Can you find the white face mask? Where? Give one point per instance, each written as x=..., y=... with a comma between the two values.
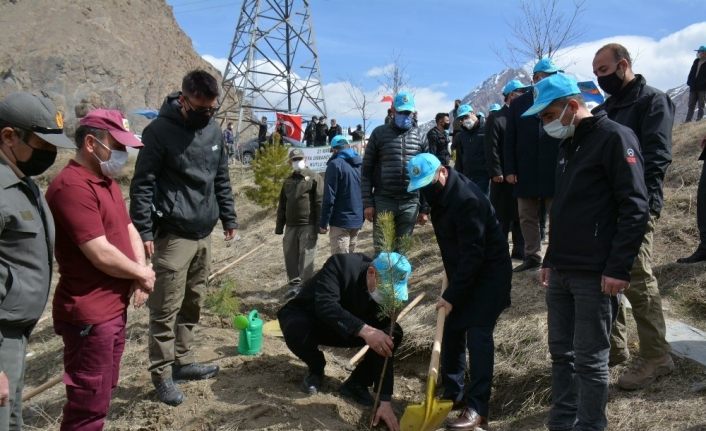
x=298, y=165
x=559, y=131
x=115, y=163
x=468, y=124
x=376, y=295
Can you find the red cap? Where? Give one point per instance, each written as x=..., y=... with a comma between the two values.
x=113, y=121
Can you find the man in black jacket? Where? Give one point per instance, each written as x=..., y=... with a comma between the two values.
x=697, y=85
x=339, y=307
x=333, y=131
x=650, y=114
x=321, y=132
x=477, y=263
x=501, y=192
x=357, y=135
x=530, y=158
x=469, y=144
x=180, y=189
x=599, y=215
x=310, y=132
x=438, y=138
x=384, y=183
x=700, y=254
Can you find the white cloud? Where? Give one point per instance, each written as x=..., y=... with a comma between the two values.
x=379, y=70
x=218, y=63
x=663, y=62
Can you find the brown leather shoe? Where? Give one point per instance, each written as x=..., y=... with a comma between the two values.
x=468, y=420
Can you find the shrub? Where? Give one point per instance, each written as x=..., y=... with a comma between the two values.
x=270, y=168
x=222, y=302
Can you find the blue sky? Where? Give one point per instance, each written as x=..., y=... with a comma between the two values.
x=447, y=44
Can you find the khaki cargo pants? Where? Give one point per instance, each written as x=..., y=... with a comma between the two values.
x=343, y=240
x=646, y=303
x=299, y=247
x=182, y=267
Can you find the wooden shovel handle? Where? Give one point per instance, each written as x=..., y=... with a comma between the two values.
x=358, y=356
x=436, y=348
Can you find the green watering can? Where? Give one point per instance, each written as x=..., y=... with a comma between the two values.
x=250, y=327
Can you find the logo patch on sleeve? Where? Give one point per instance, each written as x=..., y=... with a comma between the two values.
x=631, y=159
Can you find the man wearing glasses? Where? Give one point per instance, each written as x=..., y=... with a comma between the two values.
x=181, y=188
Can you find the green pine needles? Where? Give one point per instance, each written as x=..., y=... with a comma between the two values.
x=270, y=168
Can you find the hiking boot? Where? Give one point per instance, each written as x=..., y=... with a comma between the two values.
x=618, y=357
x=357, y=392
x=698, y=256
x=642, y=372
x=194, y=371
x=312, y=383
x=168, y=392
x=527, y=265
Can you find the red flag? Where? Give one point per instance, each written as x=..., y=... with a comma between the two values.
x=293, y=126
x=386, y=98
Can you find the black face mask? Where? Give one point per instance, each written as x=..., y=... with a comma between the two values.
x=611, y=84
x=196, y=119
x=432, y=193
x=38, y=162
x=446, y=126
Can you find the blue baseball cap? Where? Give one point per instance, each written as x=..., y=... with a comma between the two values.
x=513, y=85
x=464, y=110
x=494, y=107
x=339, y=141
x=421, y=170
x=404, y=101
x=394, y=268
x=546, y=65
x=549, y=89
x=702, y=48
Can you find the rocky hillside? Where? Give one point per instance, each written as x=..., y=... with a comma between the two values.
x=125, y=54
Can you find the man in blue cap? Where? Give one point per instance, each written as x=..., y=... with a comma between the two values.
x=342, y=206
x=477, y=263
x=697, y=85
x=469, y=144
x=339, y=307
x=384, y=186
x=599, y=215
x=530, y=158
x=501, y=192
x=649, y=112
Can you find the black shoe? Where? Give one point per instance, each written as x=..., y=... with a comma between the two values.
x=357, y=392
x=312, y=383
x=517, y=255
x=194, y=371
x=168, y=392
x=527, y=265
x=698, y=256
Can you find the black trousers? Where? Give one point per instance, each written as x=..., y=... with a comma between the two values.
x=505, y=205
x=701, y=208
x=304, y=333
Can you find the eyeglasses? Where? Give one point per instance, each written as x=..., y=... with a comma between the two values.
x=210, y=110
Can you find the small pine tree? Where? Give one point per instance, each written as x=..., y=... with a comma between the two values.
x=270, y=168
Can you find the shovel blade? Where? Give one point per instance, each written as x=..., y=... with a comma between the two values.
x=423, y=417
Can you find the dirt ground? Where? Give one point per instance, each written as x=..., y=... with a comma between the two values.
x=261, y=392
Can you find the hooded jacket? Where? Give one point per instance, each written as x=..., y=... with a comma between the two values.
x=600, y=211
x=342, y=204
x=650, y=114
x=384, y=171
x=181, y=183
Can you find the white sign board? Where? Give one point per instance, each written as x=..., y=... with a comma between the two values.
x=316, y=157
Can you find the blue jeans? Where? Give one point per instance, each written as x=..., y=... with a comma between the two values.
x=481, y=351
x=579, y=316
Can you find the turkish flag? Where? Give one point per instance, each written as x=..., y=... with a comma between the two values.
x=292, y=125
x=386, y=98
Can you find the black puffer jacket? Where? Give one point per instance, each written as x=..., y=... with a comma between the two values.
x=650, y=114
x=384, y=170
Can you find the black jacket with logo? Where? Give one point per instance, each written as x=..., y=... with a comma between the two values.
x=181, y=178
x=600, y=210
x=697, y=82
x=650, y=114
x=470, y=150
x=384, y=171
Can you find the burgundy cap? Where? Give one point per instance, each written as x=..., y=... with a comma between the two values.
x=113, y=121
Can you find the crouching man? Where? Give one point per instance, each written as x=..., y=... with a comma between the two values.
x=339, y=307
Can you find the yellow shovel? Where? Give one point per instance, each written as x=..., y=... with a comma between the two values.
x=429, y=415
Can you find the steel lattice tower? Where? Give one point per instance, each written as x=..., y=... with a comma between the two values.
x=273, y=65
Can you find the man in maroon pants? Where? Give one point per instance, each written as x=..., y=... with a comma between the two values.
x=101, y=263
